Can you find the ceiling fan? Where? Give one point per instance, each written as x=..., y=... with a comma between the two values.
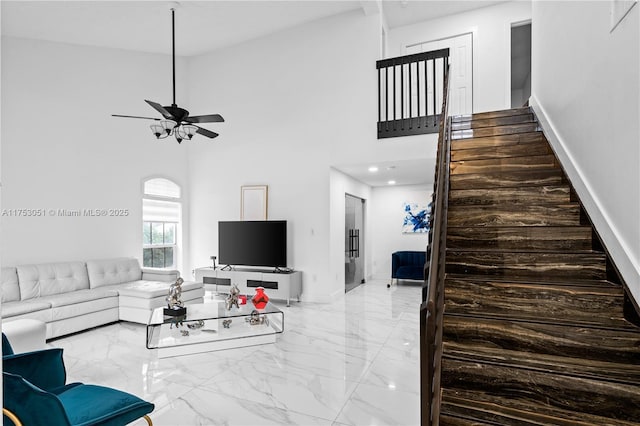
x=177, y=121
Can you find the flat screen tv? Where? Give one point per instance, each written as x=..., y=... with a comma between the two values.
x=253, y=243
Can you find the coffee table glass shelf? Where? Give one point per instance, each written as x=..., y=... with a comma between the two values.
x=209, y=327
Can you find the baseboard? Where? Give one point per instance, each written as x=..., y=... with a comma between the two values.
x=619, y=252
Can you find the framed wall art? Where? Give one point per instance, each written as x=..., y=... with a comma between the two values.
x=254, y=202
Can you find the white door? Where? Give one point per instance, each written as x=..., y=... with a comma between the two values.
x=461, y=67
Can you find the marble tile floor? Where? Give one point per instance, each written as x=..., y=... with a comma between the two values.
x=351, y=362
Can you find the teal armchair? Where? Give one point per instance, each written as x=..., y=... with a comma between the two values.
x=35, y=393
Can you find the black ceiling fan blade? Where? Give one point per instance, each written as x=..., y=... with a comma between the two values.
x=207, y=133
x=160, y=109
x=211, y=118
x=134, y=116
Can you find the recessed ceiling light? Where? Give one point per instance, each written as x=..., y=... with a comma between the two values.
x=373, y=169
x=392, y=182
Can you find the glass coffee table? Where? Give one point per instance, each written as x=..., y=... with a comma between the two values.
x=210, y=327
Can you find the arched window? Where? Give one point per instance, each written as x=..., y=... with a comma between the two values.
x=161, y=223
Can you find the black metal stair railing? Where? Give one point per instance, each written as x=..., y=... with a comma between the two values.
x=432, y=307
x=410, y=92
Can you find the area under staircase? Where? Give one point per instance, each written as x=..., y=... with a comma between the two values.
x=533, y=328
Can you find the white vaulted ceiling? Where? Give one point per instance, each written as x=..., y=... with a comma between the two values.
x=201, y=26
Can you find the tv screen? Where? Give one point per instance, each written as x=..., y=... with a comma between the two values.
x=253, y=243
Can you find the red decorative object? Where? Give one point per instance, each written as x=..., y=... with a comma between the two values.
x=242, y=299
x=260, y=299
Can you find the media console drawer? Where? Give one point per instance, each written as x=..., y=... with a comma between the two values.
x=273, y=285
x=216, y=281
x=278, y=285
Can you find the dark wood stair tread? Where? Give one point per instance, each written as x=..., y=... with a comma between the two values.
x=580, y=394
x=501, y=179
x=543, y=302
x=520, y=237
x=460, y=407
x=567, y=214
x=518, y=280
x=544, y=194
x=582, y=367
x=515, y=164
x=477, y=123
x=508, y=151
x=494, y=131
x=619, y=343
x=568, y=265
x=497, y=141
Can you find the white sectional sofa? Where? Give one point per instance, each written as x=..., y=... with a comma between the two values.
x=74, y=296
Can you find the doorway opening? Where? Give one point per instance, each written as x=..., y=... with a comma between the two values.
x=354, y=242
x=520, y=64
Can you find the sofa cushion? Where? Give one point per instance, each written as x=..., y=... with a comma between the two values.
x=113, y=271
x=10, y=287
x=151, y=289
x=62, y=310
x=47, y=279
x=35, y=309
x=79, y=296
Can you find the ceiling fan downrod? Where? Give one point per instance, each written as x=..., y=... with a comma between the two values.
x=173, y=52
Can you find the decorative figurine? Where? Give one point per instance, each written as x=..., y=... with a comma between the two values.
x=175, y=306
x=232, y=299
x=226, y=323
x=257, y=319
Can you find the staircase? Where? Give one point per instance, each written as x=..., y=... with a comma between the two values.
x=533, y=329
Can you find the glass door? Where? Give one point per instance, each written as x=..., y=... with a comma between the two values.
x=354, y=242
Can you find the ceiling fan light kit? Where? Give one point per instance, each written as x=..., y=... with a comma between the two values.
x=177, y=121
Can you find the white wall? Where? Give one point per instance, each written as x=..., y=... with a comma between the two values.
x=62, y=150
x=295, y=103
x=586, y=92
x=491, y=29
x=386, y=214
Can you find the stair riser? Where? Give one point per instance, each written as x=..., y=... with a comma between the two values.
x=539, y=265
x=479, y=408
x=531, y=195
x=520, y=238
x=494, y=131
x=569, y=393
x=565, y=215
x=491, y=114
x=536, y=301
x=497, y=141
x=492, y=122
x=516, y=164
x=507, y=180
x=585, y=343
x=520, y=150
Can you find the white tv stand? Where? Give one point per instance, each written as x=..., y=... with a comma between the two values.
x=278, y=285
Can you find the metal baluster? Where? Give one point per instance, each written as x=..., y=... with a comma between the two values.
x=433, y=78
x=386, y=98
x=394, y=97
x=410, y=100
x=402, y=95
x=418, y=91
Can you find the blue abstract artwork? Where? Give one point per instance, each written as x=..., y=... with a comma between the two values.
x=416, y=218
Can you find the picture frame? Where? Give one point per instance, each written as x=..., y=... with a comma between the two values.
x=254, y=202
